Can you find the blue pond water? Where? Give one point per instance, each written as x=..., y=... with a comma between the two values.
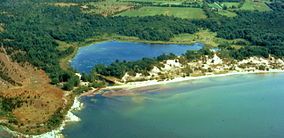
x=108, y=52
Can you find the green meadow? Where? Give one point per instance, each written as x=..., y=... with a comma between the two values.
x=227, y=13
x=188, y=13
x=162, y=1
x=230, y=4
x=255, y=5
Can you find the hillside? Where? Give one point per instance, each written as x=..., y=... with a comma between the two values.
x=29, y=103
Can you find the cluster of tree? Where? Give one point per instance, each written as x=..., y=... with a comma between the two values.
x=71, y=83
x=149, y=28
x=55, y=119
x=260, y=51
x=81, y=89
x=249, y=51
x=277, y=5
x=118, y=69
x=209, y=12
x=8, y=104
x=191, y=55
x=93, y=84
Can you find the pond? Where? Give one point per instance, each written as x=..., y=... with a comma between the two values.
x=110, y=51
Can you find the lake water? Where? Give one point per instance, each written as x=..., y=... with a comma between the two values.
x=240, y=106
x=109, y=51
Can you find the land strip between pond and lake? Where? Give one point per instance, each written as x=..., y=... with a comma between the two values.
x=174, y=72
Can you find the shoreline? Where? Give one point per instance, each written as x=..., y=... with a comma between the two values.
x=56, y=133
x=115, y=91
x=140, y=84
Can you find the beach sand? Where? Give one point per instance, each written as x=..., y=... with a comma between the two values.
x=127, y=89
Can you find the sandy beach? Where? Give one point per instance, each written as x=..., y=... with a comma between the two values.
x=119, y=90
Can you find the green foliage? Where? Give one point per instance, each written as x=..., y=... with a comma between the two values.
x=263, y=29
x=55, y=119
x=277, y=50
x=196, y=55
x=81, y=89
x=8, y=104
x=87, y=77
x=69, y=85
x=97, y=84
x=249, y=51
x=277, y=5
x=118, y=69
x=166, y=57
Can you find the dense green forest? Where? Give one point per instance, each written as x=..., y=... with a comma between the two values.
x=32, y=27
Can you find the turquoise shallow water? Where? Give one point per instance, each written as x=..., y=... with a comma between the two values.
x=240, y=106
x=109, y=51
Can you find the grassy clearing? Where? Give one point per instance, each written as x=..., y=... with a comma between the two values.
x=206, y=37
x=1, y=28
x=172, y=2
x=252, y=5
x=215, y=5
x=106, y=8
x=189, y=13
x=64, y=4
x=227, y=13
x=230, y=4
x=64, y=62
x=220, y=5
x=203, y=36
